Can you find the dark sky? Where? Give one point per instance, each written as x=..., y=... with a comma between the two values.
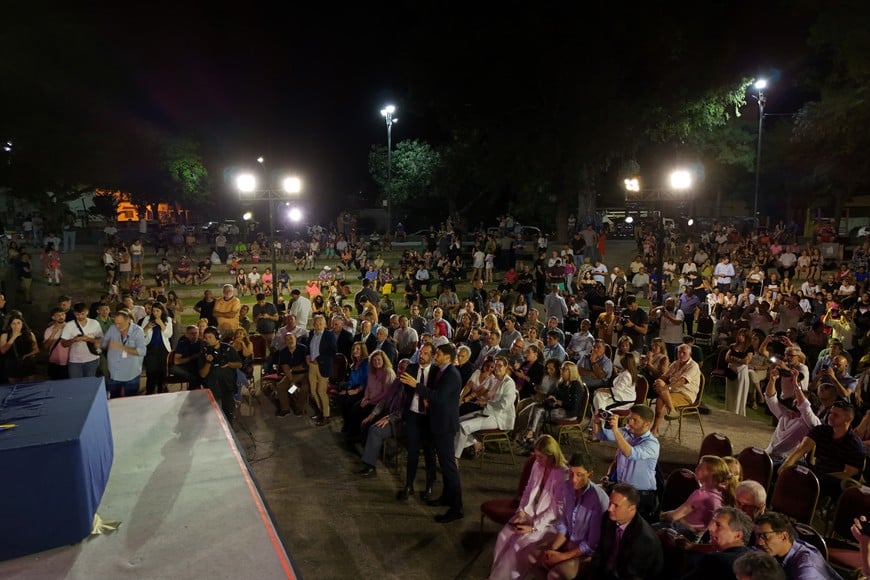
x=303, y=83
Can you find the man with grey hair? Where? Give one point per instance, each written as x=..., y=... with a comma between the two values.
x=750, y=497
x=754, y=565
x=730, y=530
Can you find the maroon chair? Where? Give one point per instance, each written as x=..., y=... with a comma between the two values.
x=716, y=444
x=757, y=465
x=502, y=509
x=796, y=493
x=843, y=552
x=678, y=487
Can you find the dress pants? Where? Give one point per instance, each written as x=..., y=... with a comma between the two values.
x=451, y=496
x=417, y=432
x=319, y=386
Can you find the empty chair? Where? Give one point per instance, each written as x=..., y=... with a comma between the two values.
x=500, y=510
x=716, y=444
x=717, y=373
x=796, y=493
x=757, y=465
x=678, y=487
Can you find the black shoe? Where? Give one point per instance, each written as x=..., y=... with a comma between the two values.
x=436, y=502
x=366, y=471
x=450, y=515
x=426, y=495
x=404, y=494
x=284, y=413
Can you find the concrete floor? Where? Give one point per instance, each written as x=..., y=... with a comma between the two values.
x=337, y=524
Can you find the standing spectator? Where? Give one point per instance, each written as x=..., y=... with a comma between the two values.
x=442, y=393
x=69, y=232
x=125, y=343
x=265, y=318
x=226, y=310
x=18, y=348
x=158, y=331
x=57, y=354
x=322, y=348
x=217, y=368
x=637, y=454
x=83, y=336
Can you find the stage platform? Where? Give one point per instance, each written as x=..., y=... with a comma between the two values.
x=187, y=503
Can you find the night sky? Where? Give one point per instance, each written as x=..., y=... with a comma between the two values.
x=303, y=85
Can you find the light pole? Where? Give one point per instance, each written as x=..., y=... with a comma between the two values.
x=387, y=113
x=760, y=85
x=247, y=186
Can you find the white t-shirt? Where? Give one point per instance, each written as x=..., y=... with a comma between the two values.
x=78, y=352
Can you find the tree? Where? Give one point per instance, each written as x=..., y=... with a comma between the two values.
x=413, y=166
x=830, y=132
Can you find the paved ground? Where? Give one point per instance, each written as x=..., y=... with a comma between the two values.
x=337, y=524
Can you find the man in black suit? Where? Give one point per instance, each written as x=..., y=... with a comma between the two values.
x=629, y=548
x=343, y=337
x=417, y=425
x=322, y=348
x=729, y=534
x=442, y=392
x=383, y=342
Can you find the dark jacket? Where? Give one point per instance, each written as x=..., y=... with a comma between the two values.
x=327, y=351
x=443, y=396
x=640, y=551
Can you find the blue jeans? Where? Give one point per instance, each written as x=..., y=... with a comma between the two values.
x=79, y=370
x=122, y=388
x=69, y=240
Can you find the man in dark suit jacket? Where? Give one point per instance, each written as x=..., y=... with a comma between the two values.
x=730, y=530
x=417, y=431
x=343, y=337
x=322, y=348
x=629, y=548
x=383, y=342
x=442, y=393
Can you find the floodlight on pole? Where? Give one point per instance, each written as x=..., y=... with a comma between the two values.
x=759, y=85
x=387, y=113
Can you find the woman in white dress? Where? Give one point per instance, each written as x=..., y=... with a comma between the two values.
x=536, y=517
x=737, y=382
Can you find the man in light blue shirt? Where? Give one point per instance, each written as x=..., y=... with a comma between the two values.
x=637, y=453
x=124, y=344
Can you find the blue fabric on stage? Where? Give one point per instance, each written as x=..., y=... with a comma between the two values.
x=54, y=465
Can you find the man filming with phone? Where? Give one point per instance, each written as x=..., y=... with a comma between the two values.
x=637, y=453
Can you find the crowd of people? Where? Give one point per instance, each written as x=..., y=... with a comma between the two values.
x=563, y=337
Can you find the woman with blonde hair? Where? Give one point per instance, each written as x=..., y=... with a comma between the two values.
x=718, y=487
x=655, y=363
x=538, y=514
x=564, y=403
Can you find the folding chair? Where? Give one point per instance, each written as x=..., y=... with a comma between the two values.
x=678, y=487
x=757, y=465
x=716, y=444
x=796, y=493
x=843, y=552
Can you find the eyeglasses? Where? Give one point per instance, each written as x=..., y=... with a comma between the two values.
x=764, y=535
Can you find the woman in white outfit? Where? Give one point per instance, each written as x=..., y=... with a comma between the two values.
x=536, y=517
x=737, y=383
x=499, y=412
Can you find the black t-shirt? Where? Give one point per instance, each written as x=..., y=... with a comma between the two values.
x=638, y=317
x=296, y=359
x=206, y=310
x=832, y=455
x=265, y=325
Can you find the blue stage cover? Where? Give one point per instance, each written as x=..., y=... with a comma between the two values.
x=55, y=463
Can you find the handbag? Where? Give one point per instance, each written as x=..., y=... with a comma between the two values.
x=730, y=374
x=93, y=349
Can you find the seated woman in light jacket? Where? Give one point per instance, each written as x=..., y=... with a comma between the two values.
x=539, y=512
x=499, y=412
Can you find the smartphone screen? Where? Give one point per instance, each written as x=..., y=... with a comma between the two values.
x=292, y=390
